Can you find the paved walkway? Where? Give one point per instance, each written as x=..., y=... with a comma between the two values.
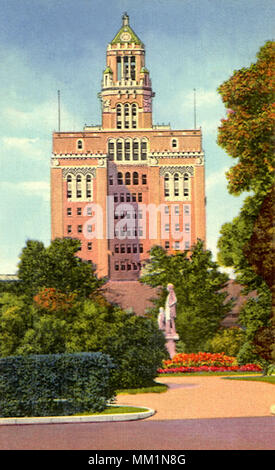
x=206, y=397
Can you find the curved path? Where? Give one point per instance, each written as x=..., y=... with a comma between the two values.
x=197, y=413
x=206, y=397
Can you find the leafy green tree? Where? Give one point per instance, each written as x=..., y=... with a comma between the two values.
x=56, y=266
x=227, y=340
x=197, y=283
x=14, y=321
x=247, y=243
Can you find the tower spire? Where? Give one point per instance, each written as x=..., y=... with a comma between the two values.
x=125, y=19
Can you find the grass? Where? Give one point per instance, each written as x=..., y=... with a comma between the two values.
x=208, y=374
x=114, y=410
x=154, y=388
x=263, y=378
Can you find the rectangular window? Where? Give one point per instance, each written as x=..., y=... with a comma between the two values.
x=177, y=245
x=185, y=192
x=122, y=266
x=111, y=180
x=129, y=249
x=69, y=211
x=79, y=211
x=69, y=229
x=89, y=228
x=141, y=248
x=176, y=210
x=69, y=193
x=186, y=209
x=89, y=246
x=144, y=179
x=166, y=210
x=128, y=197
x=78, y=193
x=89, y=211
x=166, y=192
x=122, y=248
x=118, y=68
x=167, y=227
x=116, y=266
x=119, y=149
x=177, y=227
x=121, y=197
x=115, y=197
x=116, y=248
x=187, y=245
x=129, y=267
x=187, y=227
x=134, y=197
x=139, y=197
x=167, y=245
x=79, y=228
x=134, y=248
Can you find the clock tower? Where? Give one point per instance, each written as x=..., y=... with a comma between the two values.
x=126, y=93
x=127, y=184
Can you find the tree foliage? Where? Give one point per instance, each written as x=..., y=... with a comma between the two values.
x=57, y=267
x=248, y=132
x=247, y=243
x=198, y=284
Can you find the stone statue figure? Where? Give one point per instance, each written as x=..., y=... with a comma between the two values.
x=166, y=320
x=167, y=315
x=170, y=310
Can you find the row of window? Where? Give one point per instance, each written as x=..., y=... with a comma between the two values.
x=79, y=186
x=127, y=197
x=126, y=116
x=128, y=145
x=127, y=266
x=135, y=248
x=128, y=179
x=176, y=185
x=128, y=149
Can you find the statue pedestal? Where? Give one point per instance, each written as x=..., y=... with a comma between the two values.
x=171, y=344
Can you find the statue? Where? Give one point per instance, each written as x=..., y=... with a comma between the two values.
x=166, y=320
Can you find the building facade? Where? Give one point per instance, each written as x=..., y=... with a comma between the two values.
x=128, y=184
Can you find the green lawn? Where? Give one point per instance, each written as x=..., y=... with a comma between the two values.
x=114, y=410
x=266, y=378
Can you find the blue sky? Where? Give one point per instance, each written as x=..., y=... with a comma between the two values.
x=46, y=45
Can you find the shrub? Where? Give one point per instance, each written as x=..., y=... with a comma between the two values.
x=45, y=385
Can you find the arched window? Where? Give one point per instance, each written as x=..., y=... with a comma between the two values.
x=127, y=149
x=111, y=149
x=78, y=186
x=88, y=186
x=186, y=185
x=119, y=178
x=119, y=116
x=135, y=177
x=119, y=150
x=127, y=178
x=135, y=149
x=126, y=116
x=166, y=184
x=176, y=184
x=134, y=116
x=79, y=144
x=144, y=149
x=69, y=186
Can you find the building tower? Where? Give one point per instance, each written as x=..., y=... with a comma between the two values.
x=127, y=185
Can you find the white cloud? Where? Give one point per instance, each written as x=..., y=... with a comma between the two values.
x=216, y=178
x=29, y=188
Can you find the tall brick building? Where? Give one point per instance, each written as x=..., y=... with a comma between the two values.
x=127, y=185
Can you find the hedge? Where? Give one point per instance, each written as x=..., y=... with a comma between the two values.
x=55, y=384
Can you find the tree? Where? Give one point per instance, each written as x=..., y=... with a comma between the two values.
x=197, y=284
x=248, y=133
x=56, y=266
x=247, y=243
x=227, y=340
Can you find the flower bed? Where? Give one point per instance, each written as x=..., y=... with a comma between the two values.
x=246, y=368
x=205, y=362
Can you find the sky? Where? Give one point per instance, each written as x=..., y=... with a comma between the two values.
x=50, y=45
